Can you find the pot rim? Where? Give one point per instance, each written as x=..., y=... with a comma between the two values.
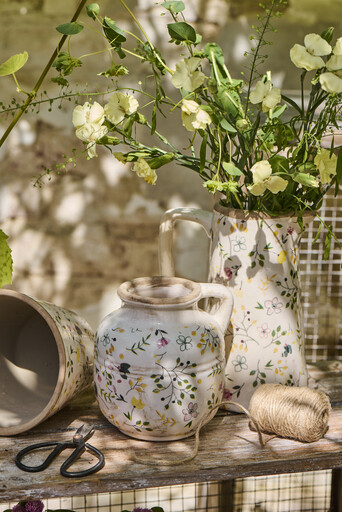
x=129, y=291
x=255, y=215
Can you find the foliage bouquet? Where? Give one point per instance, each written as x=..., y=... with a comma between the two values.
x=259, y=148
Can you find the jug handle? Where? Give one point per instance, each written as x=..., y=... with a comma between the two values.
x=166, y=260
x=218, y=291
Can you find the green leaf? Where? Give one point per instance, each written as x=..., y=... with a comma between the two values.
x=6, y=262
x=181, y=31
x=227, y=126
x=231, y=169
x=93, y=10
x=229, y=99
x=70, y=29
x=305, y=179
x=203, y=152
x=328, y=34
x=13, y=64
x=327, y=243
x=114, y=35
x=175, y=7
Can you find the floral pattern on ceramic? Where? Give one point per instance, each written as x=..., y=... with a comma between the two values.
x=159, y=368
x=257, y=258
x=78, y=345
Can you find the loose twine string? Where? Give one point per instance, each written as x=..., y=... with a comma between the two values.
x=297, y=413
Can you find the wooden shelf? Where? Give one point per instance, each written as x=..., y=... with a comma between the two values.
x=228, y=449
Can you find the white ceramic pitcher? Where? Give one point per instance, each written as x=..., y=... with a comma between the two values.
x=159, y=359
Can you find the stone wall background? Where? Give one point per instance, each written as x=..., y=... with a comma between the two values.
x=81, y=234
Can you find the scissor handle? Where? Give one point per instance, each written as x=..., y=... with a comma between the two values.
x=75, y=455
x=59, y=447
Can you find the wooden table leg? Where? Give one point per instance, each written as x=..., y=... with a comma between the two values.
x=336, y=491
x=226, y=496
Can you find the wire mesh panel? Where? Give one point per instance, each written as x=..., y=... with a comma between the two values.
x=322, y=286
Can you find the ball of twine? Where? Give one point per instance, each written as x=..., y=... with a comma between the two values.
x=298, y=413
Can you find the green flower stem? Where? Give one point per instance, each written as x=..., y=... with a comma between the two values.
x=36, y=88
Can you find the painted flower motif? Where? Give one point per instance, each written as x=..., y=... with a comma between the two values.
x=281, y=258
x=265, y=94
x=88, y=120
x=187, y=75
x=184, y=342
x=124, y=369
x=190, y=412
x=240, y=363
x=228, y=273
x=264, y=330
x=310, y=55
x=290, y=230
x=143, y=170
x=273, y=306
x=137, y=403
x=227, y=394
x=263, y=179
x=120, y=105
x=162, y=342
x=193, y=116
x=239, y=244
x=326, y=164
x=105, y=339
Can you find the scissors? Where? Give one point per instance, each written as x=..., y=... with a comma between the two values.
x=78, y=442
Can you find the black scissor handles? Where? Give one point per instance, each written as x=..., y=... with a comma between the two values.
x=80, y=446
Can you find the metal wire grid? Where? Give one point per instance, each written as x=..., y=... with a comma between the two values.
x=297, y=492
x=199, y=497
x=322, y=286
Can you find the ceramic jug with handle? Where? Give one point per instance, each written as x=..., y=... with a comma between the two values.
x=159, y=359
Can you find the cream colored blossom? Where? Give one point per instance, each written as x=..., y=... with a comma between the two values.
x=120, y=105
x=193, y=116
x=265, y=94
x=337, y=50
x=88, y=120
x=143, y=170
x=187, y=75
x=263, y=179
x=326, y=165
x=309, y=56
x=331, y=82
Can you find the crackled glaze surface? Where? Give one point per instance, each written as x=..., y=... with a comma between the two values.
x=258, y=260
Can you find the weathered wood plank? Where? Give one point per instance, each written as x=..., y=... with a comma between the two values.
x=228, y=449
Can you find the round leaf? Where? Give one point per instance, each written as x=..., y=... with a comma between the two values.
x=70, y=29
x=182, y=31
x=93, y=10
x=175, y=7
x=13, y=64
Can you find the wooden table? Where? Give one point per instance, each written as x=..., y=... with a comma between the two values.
x=228, y=450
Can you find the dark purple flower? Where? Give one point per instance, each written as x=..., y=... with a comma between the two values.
x=139, y=509
x=34, y=506
x=18, y=508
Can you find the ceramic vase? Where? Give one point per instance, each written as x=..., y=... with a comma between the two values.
x=46, y=359
x=257, y=257
x=159, y=360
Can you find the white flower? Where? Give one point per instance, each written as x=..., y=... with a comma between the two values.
x=193, y=116
x=309, y=56
x=120, y=105
x=326, y=165
x=265, y=94
x=88, y=120
x=263, y=180
x=338, y=47
x=331, y=82
x=186, y=75
x=143, y=170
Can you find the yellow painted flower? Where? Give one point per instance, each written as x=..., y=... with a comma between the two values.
x=309, y=56
x=326, y=164
x=281, y=257
x=265, y=94
x=137, y=403
x=187, y=75
x=263, y=179
x=143, y=170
